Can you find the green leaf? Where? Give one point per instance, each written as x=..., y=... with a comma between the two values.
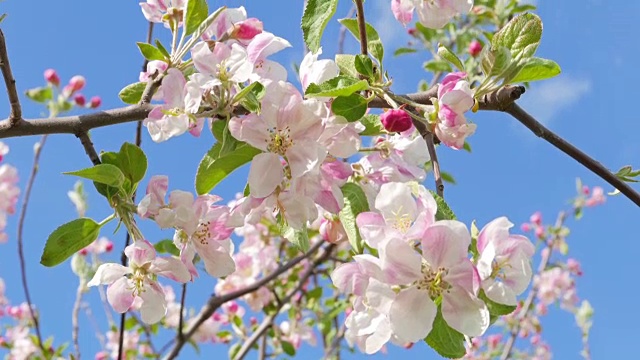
x=364, y=65
x=355, y=202
x=404, y=50
x=69, y=239
x=372, y=125
x=162, y=49
x=444, y=211
x=131, y=160
x=467, y=147
x=131, y=94
x=450, y=56
x=166, y=246
x=41, y=94
x=150, y=52
x=200, y=29
x=196, y=13
x=103, y=173
x=338, y=86
x=288, y=348
x=535, y=69
x=251, y=99
x=299, y=238
x=437, y=66
x=521, y=35
x=352, y=107
x=374, y=45
x=347, y=65
x=214, y=168
x=498, y=60
x=496, y=309
x=446, y=177
x=445, y=340
x=316, y=16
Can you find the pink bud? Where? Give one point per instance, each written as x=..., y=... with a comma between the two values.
x=539, y=232
x=536, y=218
x=494, y=340
x=51, y=76
x=475, y=47
x=77, y=82
x=585, y=190
x=95, y=102
x=108, y=247
x=574, y=266
x=233, y=307
x=525, y=227
x=79, y=100
x=412, y=31
x=253, y=320
x=396, y=120
x=247, y=29
x=541, y=309
x=84, y=252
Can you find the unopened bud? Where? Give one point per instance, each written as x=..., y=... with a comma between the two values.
x=95, y=102
x=79, y=100
x=51, y=76
x=77, y=83
x=396, y=120
x=475, y=47
x=247, y=29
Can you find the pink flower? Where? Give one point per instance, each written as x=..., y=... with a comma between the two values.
x=454, y=99
x=126, y=283
x=316, y=71
x=155, y=10
x=51, y=76
x=261, y=46
x=432, y=13
x=288, y=127
x=396, y=120
x=504, y=264
x=247, y=29
x=597, y=197
x=443, y=270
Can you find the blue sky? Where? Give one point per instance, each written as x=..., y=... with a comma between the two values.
x=510, y=172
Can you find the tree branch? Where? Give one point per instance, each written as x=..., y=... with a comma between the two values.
x=23, y=215
x=216, y=301
x=88, y=148
x=14, y=100
x=362, y=26
x=541, y=131
x=266, y=323
x=429, y=138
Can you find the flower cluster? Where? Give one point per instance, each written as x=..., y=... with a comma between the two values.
x=432, y=14
x=9, y=191
x=424, y=262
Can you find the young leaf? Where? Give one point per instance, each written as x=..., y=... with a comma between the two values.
x=103, y=173
x=196, y=13
x=374, y=45
x=41, y=94
x=288, y=348
x=364, y=65
x=299, y=238
x=355, y=202
x=347, y=65
x=446, y=341
x=535, y=69
x=444, y=211
x=352, y=107
x=338, y=86
x=214, y=168
x=521, y=35
x=131, y=94
x=162, y=49
x=450, y=56
x=372, y=125
x=69, y=239
x=132, y=162
x=316, y=16
x=437, y=66
x=150, y=52
x=402, y=51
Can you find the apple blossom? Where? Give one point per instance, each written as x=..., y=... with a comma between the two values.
x=138, y=280
x=157, y=11
x=260, y=47
x=432, y=13
x=454, y=98
x=504, y=264
x=232, y=23
x=316, y=71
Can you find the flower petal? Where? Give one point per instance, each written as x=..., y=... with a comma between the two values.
x=412, y=314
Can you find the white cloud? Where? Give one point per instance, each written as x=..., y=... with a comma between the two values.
x=547, y=99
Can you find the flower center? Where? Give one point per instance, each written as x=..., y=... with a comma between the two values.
x=432, y=281
x=203, y=234
x=138, y=277
x=498, y=269
x=401, y=221
x=279, y=141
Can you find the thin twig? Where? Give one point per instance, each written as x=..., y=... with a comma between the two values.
x=262, y=349
x=149, y=38
x=362, y=26
x=267, y=322
x=541, y=131
x=180, y=335
x=434, y=163
x=21, y=220
x=123, y=318
x=88, y=148
x=74, y=318
x=343, y=31
x=216, y=301
x=546, y=255
x=14, y=100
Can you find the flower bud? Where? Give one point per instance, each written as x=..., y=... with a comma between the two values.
x=95, y=102
x=412, y=31
x=108, y=247
x=536, y=218
x=79, y=100
x=77, y=83
x=396, y=120
x=475, y=47
x=51, y=76
x=247, y=29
